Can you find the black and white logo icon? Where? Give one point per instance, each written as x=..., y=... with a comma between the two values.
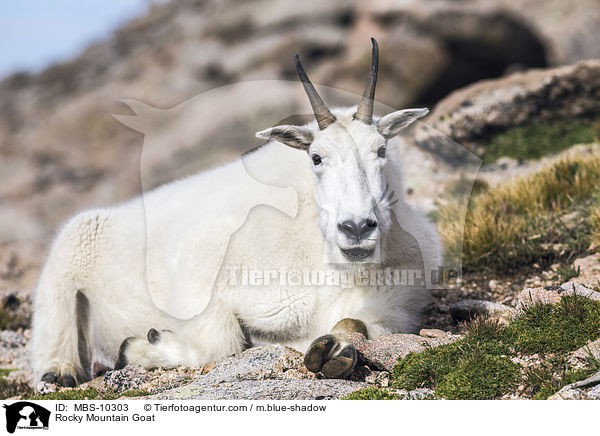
x=26, y=415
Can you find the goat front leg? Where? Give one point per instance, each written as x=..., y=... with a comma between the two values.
x=210, y=336
x=158, y=349
x=332, y=355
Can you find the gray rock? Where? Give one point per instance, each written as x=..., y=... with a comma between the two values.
x=472, y=114
x=575, y=288
x=433, y=333
x=468, y=309
x=263, y=390
x=579, y=390
x=419, y=394
x=593, y=349
x=262, y=373
x=588, y=382
x=553, y=294
x=568, y=393
x=594, y=393
x=43, y=388
x=260, y=363
x=130, y=377
x=383, y=351
x=13, y=350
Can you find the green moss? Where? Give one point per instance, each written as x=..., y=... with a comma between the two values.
x=466, y=369
x=69, y=394
x=533, y=141
x=479, y=365
x=135, y=393
x=565, y=326
x=5, y=371
x=371, y=393
x=485, y=377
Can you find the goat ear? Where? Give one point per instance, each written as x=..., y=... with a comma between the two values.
x=392, y=124
x=294, y=136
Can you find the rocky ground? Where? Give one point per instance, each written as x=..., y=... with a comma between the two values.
x=61, y=150
x=277, y=372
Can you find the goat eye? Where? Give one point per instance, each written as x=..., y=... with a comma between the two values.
x=316, y=159
x=381, y=152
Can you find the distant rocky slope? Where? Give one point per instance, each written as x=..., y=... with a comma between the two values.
x=61, y=150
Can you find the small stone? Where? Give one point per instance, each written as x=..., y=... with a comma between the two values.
x=433, y=333
x=589, y=269
x=43, y=388
x=419, y=394
x=574, y=288
x=121, y=380
x=468, y=309
x=568, y=393
x=593, y=380
x=493, y=284
x=531, y=296
x=592, y=348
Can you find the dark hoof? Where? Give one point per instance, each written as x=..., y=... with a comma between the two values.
x=68, y=381
x=122, y=359
x=318, y=352
x=342, y=364
x=50, y=377
x=99, y=369
x=153, y=336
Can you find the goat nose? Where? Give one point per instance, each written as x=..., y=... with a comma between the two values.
x=357, y=231
x=366, y=227
x=350, y=229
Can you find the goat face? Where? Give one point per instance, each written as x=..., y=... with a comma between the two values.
x=348, y=160
x=348, y=154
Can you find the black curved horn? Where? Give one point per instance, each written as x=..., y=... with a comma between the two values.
x=364, y=112
x=322, y=114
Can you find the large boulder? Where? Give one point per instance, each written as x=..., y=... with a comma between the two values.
x=262, y=373
x=472, y=114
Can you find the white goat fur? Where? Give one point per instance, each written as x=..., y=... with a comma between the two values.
x=93, y=291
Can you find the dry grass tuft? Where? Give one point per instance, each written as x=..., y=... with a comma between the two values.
x=523, y=221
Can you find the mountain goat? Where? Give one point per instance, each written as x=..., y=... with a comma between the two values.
x=92, y=307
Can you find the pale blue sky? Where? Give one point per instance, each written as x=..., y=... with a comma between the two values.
x=36, y=33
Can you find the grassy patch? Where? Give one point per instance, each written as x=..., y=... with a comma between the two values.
x=466, y=369
x=565, y=326
x=479, y=366
x=533, y=141
x=550, y=377
x=371, y=393
x=549, y=216
x=5, y=371
x=136, y=393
